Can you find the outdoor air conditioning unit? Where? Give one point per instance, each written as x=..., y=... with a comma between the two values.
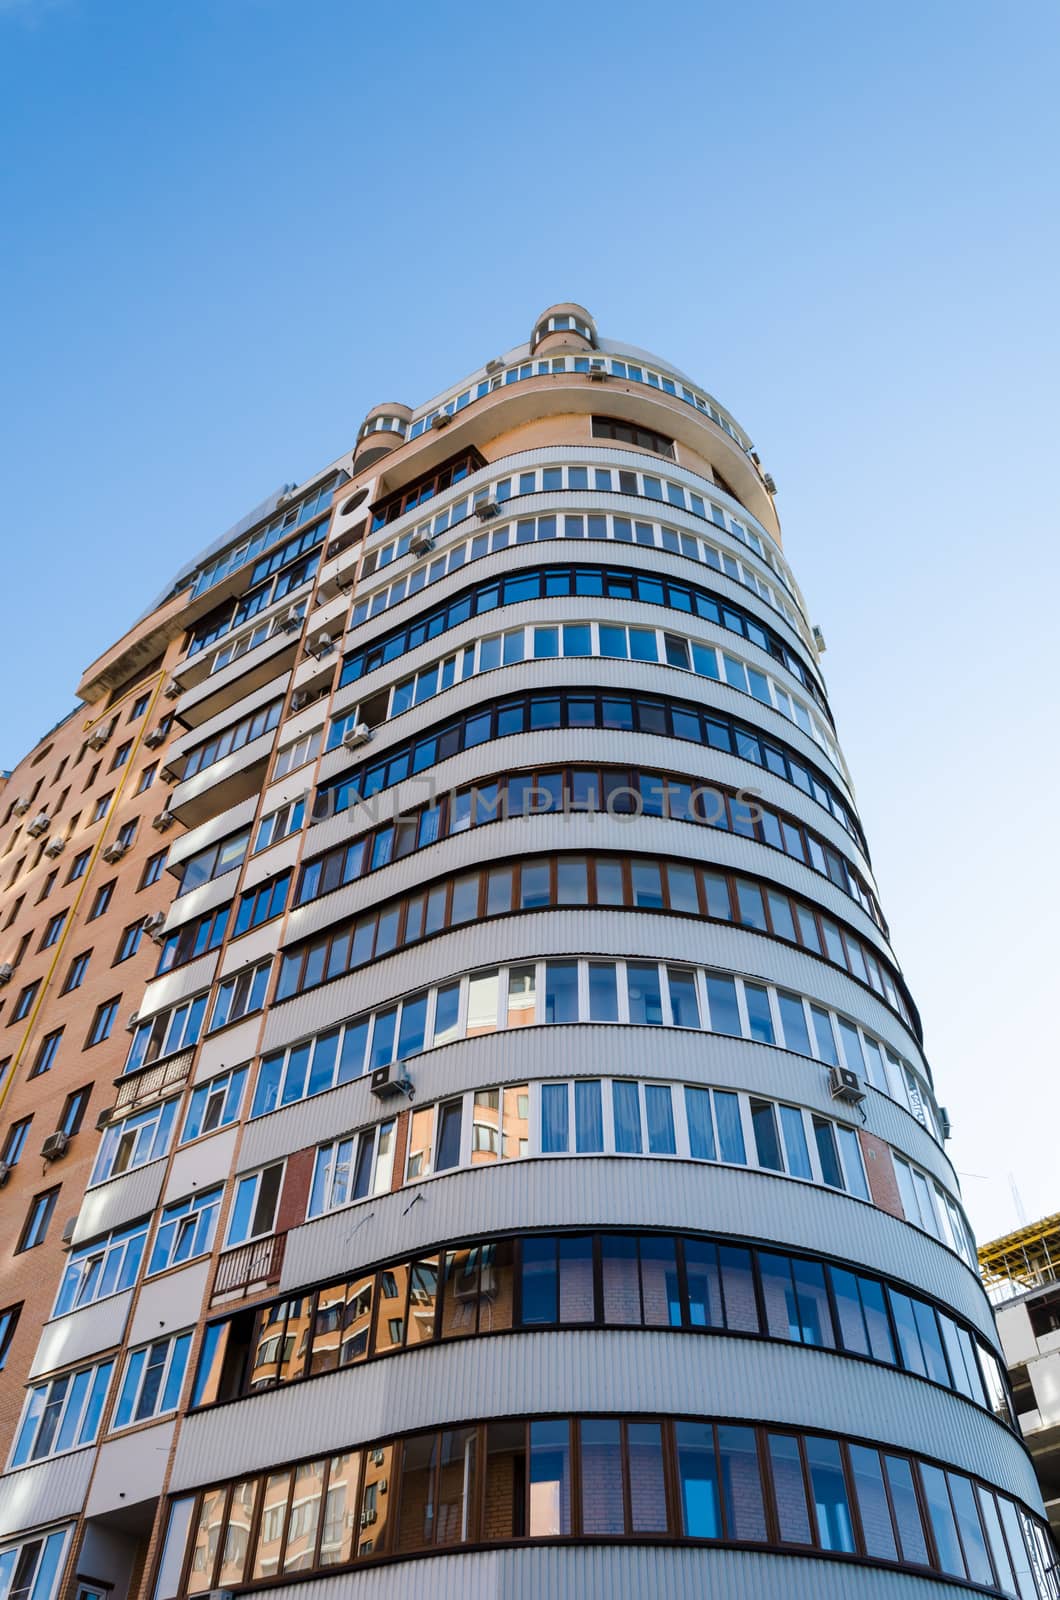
x=359, y=734
x=99, y=735
x=164, y=820
x=55, y=847
x=7, y=972
x=441, y=419
x=22, y=805
x=598, y=371
x=944, y=1123
x=104, y=1117
x=322, y=646
x=291, y=622
x=153, y=925
x=496, y=365
x=818, y=639
x=770, y=482
x=391, y=1080
x=488, y=508
x=40, y=824
x=172, y=690
x=421, y=544
x=115, y=851
x=131, y=1021
x=55, y=1145
x=5, y=1173
x=845, y=1085
x=156, y=737
x=299, y=699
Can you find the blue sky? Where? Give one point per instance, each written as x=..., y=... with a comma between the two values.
x=234, y=225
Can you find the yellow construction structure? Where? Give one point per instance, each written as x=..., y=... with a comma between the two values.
x=1024, y=1259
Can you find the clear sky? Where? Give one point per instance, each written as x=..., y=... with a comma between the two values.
x=231, y=226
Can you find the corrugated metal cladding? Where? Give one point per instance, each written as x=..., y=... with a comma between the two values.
x=178, y=985
x=656, y=1372
x=45, y=1493
x=624, y=1572
x=577, y=1050
x=282, y=855
x=619, y=1191
x=642, y=676
x=82, y=1333
x=251, y=948
x=205, y=898
x=122, y=1200
x=233, y=672
x=208, y=833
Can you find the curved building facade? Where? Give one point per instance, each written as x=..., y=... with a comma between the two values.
x=526, y=1176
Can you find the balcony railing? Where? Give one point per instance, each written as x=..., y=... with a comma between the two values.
x=249, y=1264
x=151, y=1081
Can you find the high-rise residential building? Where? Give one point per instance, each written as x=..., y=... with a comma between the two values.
x=523, y=1174
x=1022, y=1275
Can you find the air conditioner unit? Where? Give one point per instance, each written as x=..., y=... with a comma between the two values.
x=496, y=365
x=22, y=805
x=488, y=508
x=40, y=824
x=441, y=419
x=770, y=482
x=945, y=1124
x=845, y=1085
x=55, y=847
x=5, y=1173
x=172, y=690
x=115, y=851
x=391, y=1080
x=421, y=544
x=156, y=737
x=164, y=820
x=104, y=1117
x=359, y=734
x=99, y=735
x=291, y=622
x=7, y=972
x=55, y=1145
x=153, y=925
x=131, y=1021
x=323, y=645
x=299, y=699
x=598, y=371
x=818, y=639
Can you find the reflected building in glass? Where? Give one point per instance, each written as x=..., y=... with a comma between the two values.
x=526, y=1164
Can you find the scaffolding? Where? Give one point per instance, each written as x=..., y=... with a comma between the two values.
x=1022, y=1261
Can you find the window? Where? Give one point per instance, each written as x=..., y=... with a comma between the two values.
x=147, y=778
x=121, y=756
x=104, y=1267
x=25, y=1000
x=233, y=738
x=194, y=939
x=241, y=995
x=62, y=1414
x=423, y=489
x=75, y=976
x=176, y=1028
x=35, y=1226
x=214, y=1104
x=138, y=707
x=153, y=868
x=261, y=904
x=52, y=931
x=185, y=1230
x=74, y=1108
x=628, y=433
x=154, y=1377
x=101, y=807
x=126, y=835
x=103, y=1022
x=350, y=1169
x=46, y=1053
x=254, y=1206
x=49, y=883
x=79, y=866
x=103, y=897
x=129, y=942
x=15, y=1142
x=31, y=1571
x=298, y=754
x=280, y=824
x=214, y=861
x=8, y=1323
x=134, y=1141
